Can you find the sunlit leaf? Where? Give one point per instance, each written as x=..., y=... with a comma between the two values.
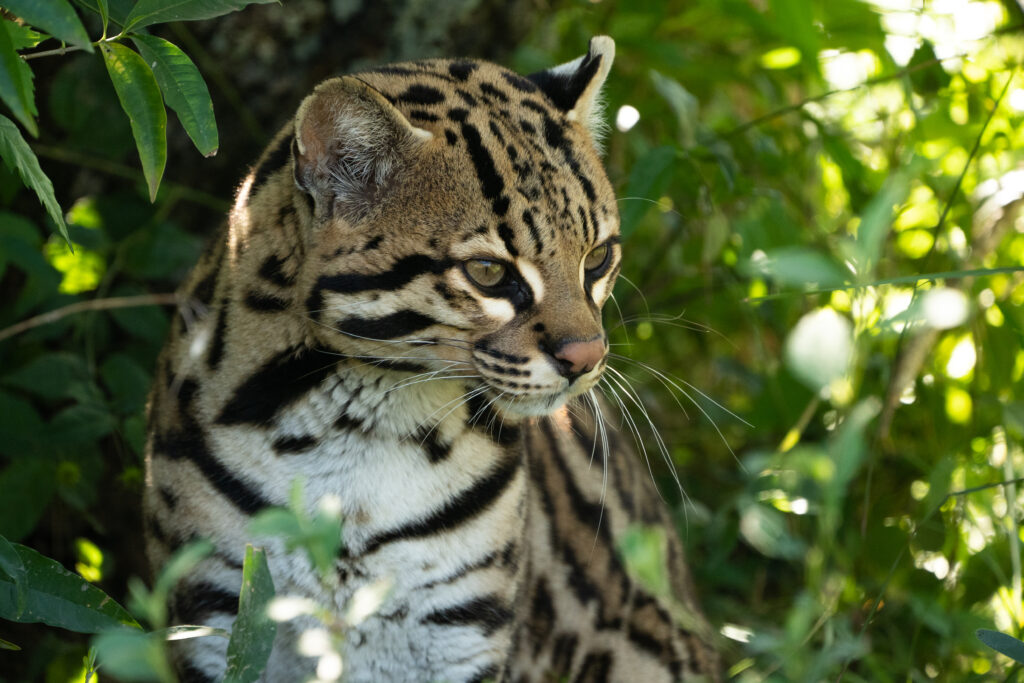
x=56, y=17
x=819, y=350
x=19, y=156
x=183, y=88
x=23, y=36
x=57, y=597
x=252, y=635
x=148, y=12
x=139, y=94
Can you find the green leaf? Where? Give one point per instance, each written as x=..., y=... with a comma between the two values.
x=20, y=424
x=127, y=381
x=184, y=90
x=19, y=156
x=11, y=564
x=78, y=425
x=49, y=375
x=798, y=266
x=57, y=597
x=8, y=645
x=1002, y=643
x=56, y=17
x=252, y=635
x=28, y=485
x=684, y=105
x=22, y=36
x=139, y=94
x=16, y=88
x=148, y=12
x=647, y=181
x=132, y=656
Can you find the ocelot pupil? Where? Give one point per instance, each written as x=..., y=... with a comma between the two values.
x=596, y=258
x=485, y=273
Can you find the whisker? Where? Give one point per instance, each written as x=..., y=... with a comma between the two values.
x=662, y=447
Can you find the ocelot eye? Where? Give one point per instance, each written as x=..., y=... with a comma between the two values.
x=597, y=258
x=486, y=273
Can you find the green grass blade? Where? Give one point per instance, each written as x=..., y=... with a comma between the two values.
x=139, y=94
x=148, y=12
x=183, y=88
x=56, y=17
x=19, y=156
x=252, y=636
x=16, y=82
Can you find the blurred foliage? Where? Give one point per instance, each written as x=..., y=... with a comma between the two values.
x=821, y=312
x=822, y=209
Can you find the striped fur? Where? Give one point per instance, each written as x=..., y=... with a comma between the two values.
x=341, y=339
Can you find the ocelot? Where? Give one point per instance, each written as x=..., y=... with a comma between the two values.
x=404, y=312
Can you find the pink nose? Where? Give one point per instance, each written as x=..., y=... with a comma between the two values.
x=578, y=358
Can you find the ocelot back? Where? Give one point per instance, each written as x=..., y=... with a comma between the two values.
x=404, y=311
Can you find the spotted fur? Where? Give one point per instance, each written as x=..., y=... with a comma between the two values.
x=342, y=340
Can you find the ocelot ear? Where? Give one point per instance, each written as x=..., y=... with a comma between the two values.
x=349, y=144
x=575, y=87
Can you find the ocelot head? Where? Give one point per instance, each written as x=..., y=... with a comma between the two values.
x=462, y=222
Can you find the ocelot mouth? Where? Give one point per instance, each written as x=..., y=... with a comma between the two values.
x=530, y=405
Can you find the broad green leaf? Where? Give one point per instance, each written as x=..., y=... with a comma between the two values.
x=20, y=424
x=139, y=94
x=1003, y=644
x=252, y=635
x=16, y=89
x=684, y=105
x=132, y=656
x=11, y=564
x=57, y=597
x=56, y=17
x=876, y=219
x=19, y=156
x=764, y=528
x=28, y=485
x=798, y=266
x=646, y=182
x=148, y=12
x=643, y=549
x=80, y=424
x=127, y=382
x=183, y=88
x=49, y=375
x=23, y=36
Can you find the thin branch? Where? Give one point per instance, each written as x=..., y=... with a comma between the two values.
x=53, y=53
x=92, y=305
